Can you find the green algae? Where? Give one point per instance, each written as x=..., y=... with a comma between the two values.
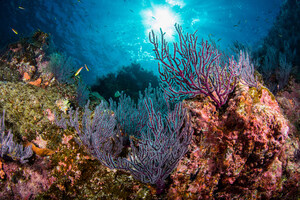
x=256, y=94
x=25, y=107
x=8, y=73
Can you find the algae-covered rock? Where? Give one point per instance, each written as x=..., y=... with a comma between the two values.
x=26, y=108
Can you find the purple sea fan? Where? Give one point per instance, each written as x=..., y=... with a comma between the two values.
x=161, y=146
x=247, y=70
x=11, y=149
x=98, y=133
x=189, y=70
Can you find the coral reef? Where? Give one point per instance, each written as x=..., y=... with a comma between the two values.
x=56, y=159
x=238, y=152
x=26, y=107
x=164, y=138
x=245, y=149
x=132, y=117
x=25, y=181
x=80, y=176
x=289, y=101
x=29, y=61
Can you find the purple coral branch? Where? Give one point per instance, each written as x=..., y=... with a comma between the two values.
x=247, y=70
x=190, y=71
x=161, y=146
x=11, y=149
x=97, y=132
x=152, y=158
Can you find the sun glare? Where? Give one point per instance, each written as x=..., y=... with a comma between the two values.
x=160, y=17
x=179, y=3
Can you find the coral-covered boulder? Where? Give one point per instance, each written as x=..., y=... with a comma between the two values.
x=289, y=101
x=24, y=181
x=237, y=151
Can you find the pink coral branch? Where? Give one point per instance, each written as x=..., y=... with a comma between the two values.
x=190, y=70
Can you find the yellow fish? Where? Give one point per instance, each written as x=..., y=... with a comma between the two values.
x=14, y=31
x=87, y=69
x=78, y=71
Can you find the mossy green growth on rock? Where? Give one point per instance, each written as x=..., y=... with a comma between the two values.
x=251, y=95
x=256, y=93
x=8, y=73
x=26, y=109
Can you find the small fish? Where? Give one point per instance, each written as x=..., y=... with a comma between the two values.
x=153, y=18
x=219, y=39
x=87, y=69
x=22, y=8
x=78, y=71
x=14, y=31
x=117, y=94
x=236, y=25
x=279, y=35
x=131, y=10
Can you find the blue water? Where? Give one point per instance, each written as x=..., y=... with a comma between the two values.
x=109, y=34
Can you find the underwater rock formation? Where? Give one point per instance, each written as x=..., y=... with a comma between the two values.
x=25, y=181
x=34, y=61
x=238, y=152
x=27, y=59
x=289, y=101
x=244, y=150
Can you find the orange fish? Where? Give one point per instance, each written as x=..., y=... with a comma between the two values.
x=14, y=31
x=78, y=71
x=87, y=69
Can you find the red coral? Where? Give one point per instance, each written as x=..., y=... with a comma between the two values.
x=26, y=181
x=234, y=153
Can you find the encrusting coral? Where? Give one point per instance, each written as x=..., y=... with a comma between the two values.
x=237, y=152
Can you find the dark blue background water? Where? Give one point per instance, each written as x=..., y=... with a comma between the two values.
x=109, y=34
